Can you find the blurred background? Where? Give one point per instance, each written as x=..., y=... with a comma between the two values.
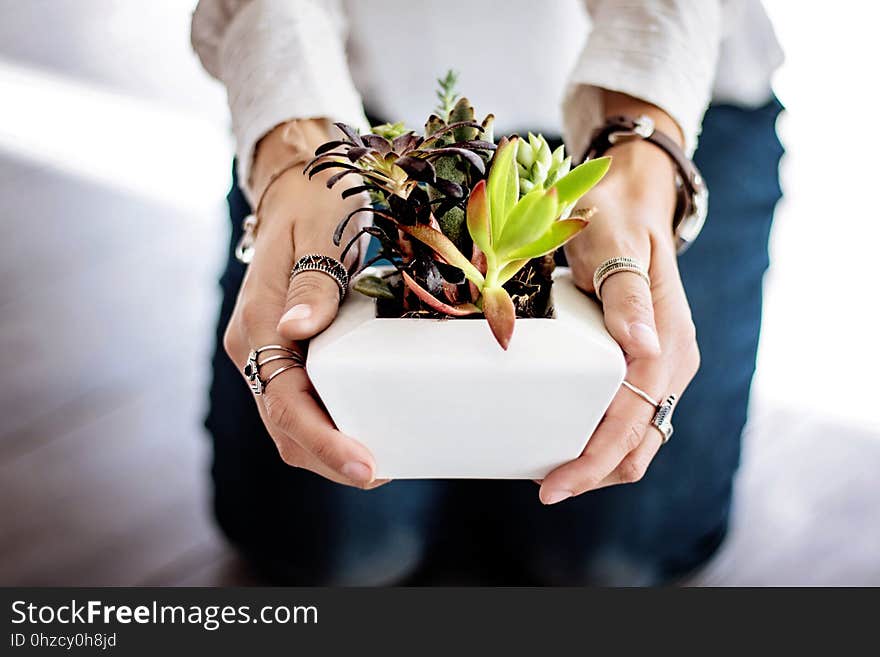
x=114, y=162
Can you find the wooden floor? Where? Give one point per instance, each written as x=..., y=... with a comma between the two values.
x=106, y=312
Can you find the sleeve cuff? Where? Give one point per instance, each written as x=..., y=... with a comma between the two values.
x=666, y=58
x=276, y=75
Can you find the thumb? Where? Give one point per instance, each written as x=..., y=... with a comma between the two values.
x=312, y=303
x=629, y=314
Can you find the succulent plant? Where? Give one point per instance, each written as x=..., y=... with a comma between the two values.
x=467, y=231
x=455, y=110
x=394, y=167
x=446, y=93
x=405, y=178
x=509, y=230
x=539, y=167
x=390, y=131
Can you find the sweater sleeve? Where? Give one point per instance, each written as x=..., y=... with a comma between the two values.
x=663, y=52
x=279, y=60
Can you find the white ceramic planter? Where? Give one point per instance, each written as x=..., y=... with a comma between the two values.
x=440, y=399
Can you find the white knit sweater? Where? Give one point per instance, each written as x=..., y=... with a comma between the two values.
x=535, y=65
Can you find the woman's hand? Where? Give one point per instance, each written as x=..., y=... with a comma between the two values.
x=298, y=217
x=634, y=208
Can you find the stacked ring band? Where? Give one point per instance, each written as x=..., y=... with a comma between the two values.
x=326, y=265
x=641, y=393
x=616, y=266
x=254, y=363
x=662, y=420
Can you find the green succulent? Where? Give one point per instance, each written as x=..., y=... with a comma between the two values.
x=453, y=109
x=446, y=93
x=539, y=167
x=510, y=230
x=390, y=131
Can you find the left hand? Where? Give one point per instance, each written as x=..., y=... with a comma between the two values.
x=634, y=207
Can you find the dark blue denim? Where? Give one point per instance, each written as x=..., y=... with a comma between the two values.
x=302, y=529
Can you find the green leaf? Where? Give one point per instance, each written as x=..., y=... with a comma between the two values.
x=580, y=179
x=503, y=185
x=531, y=217
x=534, y=142
x=510, y=270
x=544, y=156
x=444, y=247
x=560, y=232
x=463, y=111
x=478, y=217
x=525, y=155
x=488, y=128
x=461, y=310
x=373, y=286
x=446, y=94
x=500, y=313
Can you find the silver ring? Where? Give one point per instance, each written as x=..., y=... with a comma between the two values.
x=251, y=369
x=281, y=370
x=662, y=420
x=641, y=393
x=616, y=266
x=326, y=265
x=272, y=359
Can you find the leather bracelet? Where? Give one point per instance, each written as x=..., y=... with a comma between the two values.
x=692, y=197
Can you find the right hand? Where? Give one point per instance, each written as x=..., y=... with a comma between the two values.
x=298, y=216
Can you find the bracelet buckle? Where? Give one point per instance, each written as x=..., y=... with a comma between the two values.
x=244, y=249
x=643, y=128
x=692, y=223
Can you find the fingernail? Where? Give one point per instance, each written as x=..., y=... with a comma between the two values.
x=643, y=333
x=357, y=471
x=299, y=311
x=555, y=496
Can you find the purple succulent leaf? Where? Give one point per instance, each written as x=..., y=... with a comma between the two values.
x=417, y=168
x=477, y=144
x=448, y=188
x=330, y=145
x=351, y=133
x=450, y=274
x=332, y=180
x=342, y=225
x=331, y=164
x=334, y=154
x=377, y=143
x=475, y=160
x=356, y=153
x=452, y=126
x=375, y=178
x=366, y=230
x=406, y=142
x=352, y=191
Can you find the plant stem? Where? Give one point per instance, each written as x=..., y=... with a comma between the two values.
x=491, y=270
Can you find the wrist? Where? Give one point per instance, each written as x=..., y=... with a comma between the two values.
x=290, y=143
x=640, y=182
x=297, y=203
x=618, y=104
x=638, y=179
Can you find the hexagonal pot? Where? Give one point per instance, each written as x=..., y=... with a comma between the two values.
x=438, y=398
